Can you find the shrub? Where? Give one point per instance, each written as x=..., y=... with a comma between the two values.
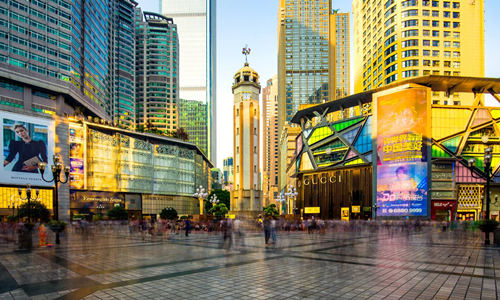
x=117, y=213
x=38, y=211
x=57, y=226
x=168, y=213
x=488, y=225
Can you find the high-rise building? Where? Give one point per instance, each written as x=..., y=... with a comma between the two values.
x=193, y=118
x=157, y=64
x=247, y=195
x=270, y=138
x=57, y=53
x=228, y=170
x=396, y=40
x=195, y=20
x=123, y=62
x=313, y=55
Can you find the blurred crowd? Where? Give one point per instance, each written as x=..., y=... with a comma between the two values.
x=232, y=232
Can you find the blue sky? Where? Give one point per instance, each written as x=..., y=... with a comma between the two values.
x=255, y=23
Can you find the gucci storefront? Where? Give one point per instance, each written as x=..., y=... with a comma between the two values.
x=341, y=190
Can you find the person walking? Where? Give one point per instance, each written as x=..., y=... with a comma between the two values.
x=188, y=227
x=267, y=229
x=273, y=230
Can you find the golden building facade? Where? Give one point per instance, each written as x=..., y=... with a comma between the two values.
x=396, y=40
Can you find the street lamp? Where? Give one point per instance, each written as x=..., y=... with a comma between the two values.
x=375, y=208
x=281, y=199
x=292, y=194
x=56, y=178
x=13, y=209
x=100, y=207
x=488, y=176
x=28, y=197
x=214, y=200
x=201, y=195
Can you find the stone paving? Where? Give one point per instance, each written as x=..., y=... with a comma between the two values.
x=336, y=265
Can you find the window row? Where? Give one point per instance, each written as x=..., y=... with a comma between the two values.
x=434, y=33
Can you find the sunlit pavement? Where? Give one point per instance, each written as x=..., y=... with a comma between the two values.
x=299, y=266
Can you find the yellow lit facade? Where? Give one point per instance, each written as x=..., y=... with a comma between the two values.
x=9, y=196
x=396, y=40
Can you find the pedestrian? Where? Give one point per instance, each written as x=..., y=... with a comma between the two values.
x=273, y=230
x=267, y=229
x=42, y=233
x=188, y=226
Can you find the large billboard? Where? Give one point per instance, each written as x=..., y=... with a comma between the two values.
x=77, y=156
x=402, y=131
x=26, y=142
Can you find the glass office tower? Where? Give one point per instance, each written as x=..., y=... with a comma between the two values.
x=193, y=118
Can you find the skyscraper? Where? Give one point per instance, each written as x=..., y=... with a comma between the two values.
x=157, y=52
x=313, y=65
x=193, y=118
x=270, y=138
x=123, y=62
x=59, y=50
x=395, y=40
x=195, y=20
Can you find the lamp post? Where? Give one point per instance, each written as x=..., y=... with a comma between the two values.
x=28, y=197
x=13, y=209
x=292, y=194
x=214, y=199
x=100, y=207
x=56, y=178
x=201, y=195
x=375, y=208
x=281, y=199
x=488, y=176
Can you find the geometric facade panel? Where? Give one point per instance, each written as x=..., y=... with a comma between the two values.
x=446, y=121
x=495, y=113
x=350, y=135
x=354, y=162
x=333, y=146
x=350, y=155
x=319, y=134
x=439, y=153
x=482, y=116
x=364, y=142
x=452, y=144
x=306, y=162
x=345, y=124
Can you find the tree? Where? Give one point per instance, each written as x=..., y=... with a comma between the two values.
x=182, y=134
x=79, y=110
x=117, y=213
x=168, y=213
x=271, y=211
x=38, y=211
x=219, y=210
x=222, y=195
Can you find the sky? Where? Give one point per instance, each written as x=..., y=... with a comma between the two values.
x=254, y=23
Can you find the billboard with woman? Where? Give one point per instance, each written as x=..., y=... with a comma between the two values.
x=26, y=142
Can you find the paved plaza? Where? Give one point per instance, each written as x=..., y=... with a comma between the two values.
x=336, y=265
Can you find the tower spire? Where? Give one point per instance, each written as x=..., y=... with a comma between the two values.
x=246, y=52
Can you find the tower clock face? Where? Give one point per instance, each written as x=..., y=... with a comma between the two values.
x=246, y=95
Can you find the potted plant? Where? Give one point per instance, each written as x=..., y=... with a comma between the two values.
x=57, y=225
x=488, y=226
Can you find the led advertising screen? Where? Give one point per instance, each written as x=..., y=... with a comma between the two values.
x=402, y=162
x=77, y=174
x=26, y=141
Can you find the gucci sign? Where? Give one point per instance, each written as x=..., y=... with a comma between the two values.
x=320, y=180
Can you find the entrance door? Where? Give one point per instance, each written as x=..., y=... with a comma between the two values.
x=466, y=216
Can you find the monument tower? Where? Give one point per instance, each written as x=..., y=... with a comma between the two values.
x=246, y=199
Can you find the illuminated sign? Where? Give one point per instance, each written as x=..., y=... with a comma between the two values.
x=344, y=213
x=356, y=209
x=26, y=141
x=77, y=156
x=402, y=129
x=312, y=210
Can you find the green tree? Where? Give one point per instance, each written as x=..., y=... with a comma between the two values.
x=222, y=195
x=219, y=210
x=272, y=211
x=38, y=211
x=182, y=134
x=168, y=213
x=117, y=213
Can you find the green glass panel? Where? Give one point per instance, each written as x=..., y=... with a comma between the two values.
x=452, y=144
x=495, y=113
x=438, y=152
x=335, y=144
x=354, y=162
x=319, y=134
x=345, y=124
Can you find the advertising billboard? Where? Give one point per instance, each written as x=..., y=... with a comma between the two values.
x=402, y=130
x=26, y=142
x=77, y=158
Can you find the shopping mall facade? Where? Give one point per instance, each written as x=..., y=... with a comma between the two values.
x=109, y=166
x=392, y=153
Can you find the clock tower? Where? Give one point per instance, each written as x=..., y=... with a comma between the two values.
x=246, y=198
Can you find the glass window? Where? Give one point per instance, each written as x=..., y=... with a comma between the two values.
x=435, y=53
x=446, y=14
x=456, y=44
x=456, y=15
x=446, y=33
x=456, y=4
x=425, y=13
x=426, y=33
x=456, y=64
x=426, y=42
x=456, y=54
x=435, y=3
x=435, y=63
x=447, y=44
x=447, y=54
x=435, y=23
x=446, y=4
x=427, y=53
x=456, y=24
x=426, y=23
x=435, y=33
x=435, y=43
x=456, y=35
x=447, y=64
x=427, y=63
x=435, y=13
x=446, y=24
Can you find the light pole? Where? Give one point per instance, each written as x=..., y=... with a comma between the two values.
x=214, y=200
x=28, y=197
x=13, y=209
x=292, y=194
x=201, y=195
x=375, y=208
x=56, y=178
x=100, y=207
x=281, y=199
x=488, y=176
